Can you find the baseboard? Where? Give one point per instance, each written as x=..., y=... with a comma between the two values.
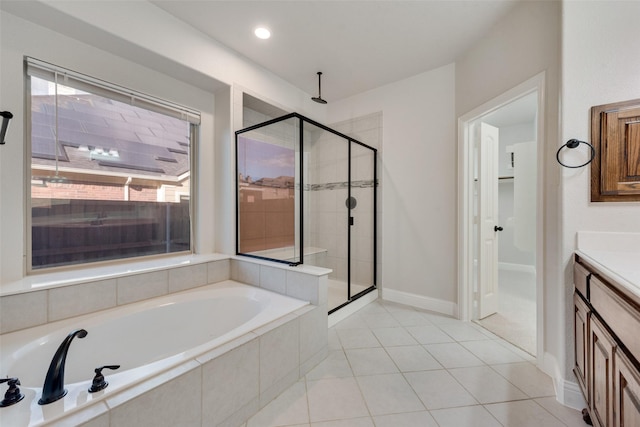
x=569, y=394
x=432, y=304
x=524, y=268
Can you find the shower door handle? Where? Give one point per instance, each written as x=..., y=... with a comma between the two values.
x=350, y=220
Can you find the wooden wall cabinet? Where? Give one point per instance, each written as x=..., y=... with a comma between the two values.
x=607, y=348
x=615, y=135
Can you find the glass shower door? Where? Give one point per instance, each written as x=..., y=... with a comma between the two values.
x=361, y=206
x=325, y=221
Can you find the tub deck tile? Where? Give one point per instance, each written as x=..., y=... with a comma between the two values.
x=145, y=386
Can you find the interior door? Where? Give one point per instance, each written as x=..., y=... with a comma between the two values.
x=488, y=220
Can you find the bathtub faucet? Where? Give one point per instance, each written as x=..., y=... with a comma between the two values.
x=53, y=388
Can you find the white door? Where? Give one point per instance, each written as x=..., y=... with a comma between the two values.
x=488, y=221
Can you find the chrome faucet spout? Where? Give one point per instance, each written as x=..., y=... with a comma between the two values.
x=53, y=388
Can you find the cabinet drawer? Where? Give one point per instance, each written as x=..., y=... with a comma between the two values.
x=581, y=279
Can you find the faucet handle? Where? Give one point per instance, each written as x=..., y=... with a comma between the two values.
x=13, y=394
x=98, y=381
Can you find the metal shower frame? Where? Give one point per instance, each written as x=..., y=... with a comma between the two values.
x=302, y=119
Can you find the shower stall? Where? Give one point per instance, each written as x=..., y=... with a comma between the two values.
x=306, y=194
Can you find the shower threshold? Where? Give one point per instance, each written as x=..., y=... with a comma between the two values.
x=337, y=293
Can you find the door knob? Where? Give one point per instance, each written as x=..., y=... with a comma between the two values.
x=497, y=228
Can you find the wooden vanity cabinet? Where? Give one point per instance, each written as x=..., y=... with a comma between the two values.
x=601, y=349
x=581, y=338
x=607, y=347
x=627, y=402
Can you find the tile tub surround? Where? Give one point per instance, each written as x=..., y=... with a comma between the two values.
x=227, y=385
x=48, y=297
x=40, y=299
x=305, y=282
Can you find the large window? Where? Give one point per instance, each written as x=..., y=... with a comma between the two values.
x=110, y=170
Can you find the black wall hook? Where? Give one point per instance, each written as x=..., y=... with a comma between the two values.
x=574, y=143
x=6, y=116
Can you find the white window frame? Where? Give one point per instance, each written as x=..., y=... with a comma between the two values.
x=67, y=77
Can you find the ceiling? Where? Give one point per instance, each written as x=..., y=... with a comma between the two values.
x=358, y=45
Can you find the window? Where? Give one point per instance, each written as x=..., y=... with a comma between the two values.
x=110, y=170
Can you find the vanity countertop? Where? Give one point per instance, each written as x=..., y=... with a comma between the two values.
x=616, y=255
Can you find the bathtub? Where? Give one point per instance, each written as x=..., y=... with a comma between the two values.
x=146, y=339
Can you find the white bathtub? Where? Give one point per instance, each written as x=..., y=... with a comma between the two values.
x=145, y=338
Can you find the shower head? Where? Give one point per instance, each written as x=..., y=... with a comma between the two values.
x=319, y=99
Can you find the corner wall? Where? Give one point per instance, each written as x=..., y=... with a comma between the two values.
x=417, y=168
x=523, y=44
x=20, y=38
x=600, y=65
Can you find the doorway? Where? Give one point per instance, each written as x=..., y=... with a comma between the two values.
x=500, y=216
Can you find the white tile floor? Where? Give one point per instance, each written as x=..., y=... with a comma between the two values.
x=394, y=366
x=515, y=320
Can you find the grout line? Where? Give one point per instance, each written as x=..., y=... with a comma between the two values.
x=366, y=327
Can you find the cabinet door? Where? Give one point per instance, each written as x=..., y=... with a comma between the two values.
x=627, y=393
x=581, y=347
x=615, y=170
x=601, y=348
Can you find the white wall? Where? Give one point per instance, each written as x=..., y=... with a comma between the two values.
x=419, y=178
x=523, y=44
x=20, y=37
x=145, y=33
x=600, y=65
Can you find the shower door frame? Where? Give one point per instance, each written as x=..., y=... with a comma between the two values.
x=302, y=119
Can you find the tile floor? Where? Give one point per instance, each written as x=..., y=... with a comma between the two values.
x=515, y=320
x=390, y=365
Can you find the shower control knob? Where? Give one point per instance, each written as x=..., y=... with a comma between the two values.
x=497, y=228
x=98, y=381
x=13, y=394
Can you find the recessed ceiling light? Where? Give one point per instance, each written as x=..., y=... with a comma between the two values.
x=262, y=33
